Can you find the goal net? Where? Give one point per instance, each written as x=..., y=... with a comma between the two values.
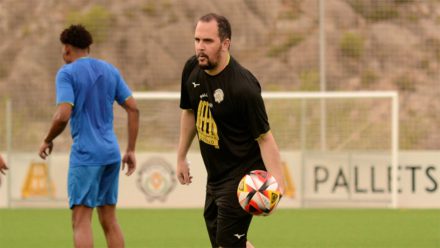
x=340, y=148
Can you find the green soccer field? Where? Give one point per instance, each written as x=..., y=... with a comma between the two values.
x=185, y=228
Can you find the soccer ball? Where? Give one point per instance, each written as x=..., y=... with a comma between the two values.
x=258, y=193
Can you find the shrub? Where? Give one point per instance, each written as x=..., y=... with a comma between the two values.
x=97, y=20
x=293, y=40
x=352, y=45
x=376, y=11
x=309, y=80
x=405, y=83
x=368, y=78
x=403, y=1
x=149, y=9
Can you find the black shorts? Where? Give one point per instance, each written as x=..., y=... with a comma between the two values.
x=226, y=221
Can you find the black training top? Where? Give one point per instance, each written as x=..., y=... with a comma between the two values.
x=230, y=115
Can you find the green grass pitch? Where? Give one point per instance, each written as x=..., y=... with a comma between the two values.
x=185, y=228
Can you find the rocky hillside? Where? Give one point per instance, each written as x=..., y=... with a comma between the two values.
x=370, y=45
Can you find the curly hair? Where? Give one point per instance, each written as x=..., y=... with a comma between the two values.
x=77, y=36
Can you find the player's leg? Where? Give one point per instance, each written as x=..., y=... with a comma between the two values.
x=82, y=226
x=249, y=245
x=232, y=222
x=82, y=193
x=109, y=223
x=107, y=199
x=210, y=215
x=83, y=190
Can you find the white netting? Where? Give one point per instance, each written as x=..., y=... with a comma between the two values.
x=347, y=141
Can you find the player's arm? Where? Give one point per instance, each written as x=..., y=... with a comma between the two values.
x=187, y=133
x=3, y=167
x=129, y=158
x=59, y=123
x=271, y=157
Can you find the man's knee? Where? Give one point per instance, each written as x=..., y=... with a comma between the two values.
x=81, y=215
x=107, y=218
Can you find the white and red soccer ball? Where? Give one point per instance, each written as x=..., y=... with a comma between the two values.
x=258, y=193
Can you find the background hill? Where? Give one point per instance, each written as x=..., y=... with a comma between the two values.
x=370, y=45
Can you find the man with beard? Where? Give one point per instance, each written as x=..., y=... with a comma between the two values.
x=221, y=102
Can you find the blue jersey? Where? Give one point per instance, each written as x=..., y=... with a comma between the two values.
x=91, y=86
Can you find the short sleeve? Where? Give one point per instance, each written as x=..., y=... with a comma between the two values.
x=255, y=112
x=123, y=92
x=184, y=97
x=64, y=88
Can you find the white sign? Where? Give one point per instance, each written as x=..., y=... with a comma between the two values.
x=355, y=179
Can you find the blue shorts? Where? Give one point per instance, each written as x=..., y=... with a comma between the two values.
x=93, y=186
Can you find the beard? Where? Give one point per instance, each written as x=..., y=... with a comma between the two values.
x=210, y=63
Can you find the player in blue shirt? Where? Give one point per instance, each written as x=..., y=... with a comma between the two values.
x=86, y=89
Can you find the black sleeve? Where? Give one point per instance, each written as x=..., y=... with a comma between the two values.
x=187, y=69
x=255, y=110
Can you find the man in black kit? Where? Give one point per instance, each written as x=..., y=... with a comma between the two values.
x=221, y=102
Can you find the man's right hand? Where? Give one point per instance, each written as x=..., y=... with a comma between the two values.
x=183, y=174
x=45, y=149
x=3, y=167
x=129, y=160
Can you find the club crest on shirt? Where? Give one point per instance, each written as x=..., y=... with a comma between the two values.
x=219, y=95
